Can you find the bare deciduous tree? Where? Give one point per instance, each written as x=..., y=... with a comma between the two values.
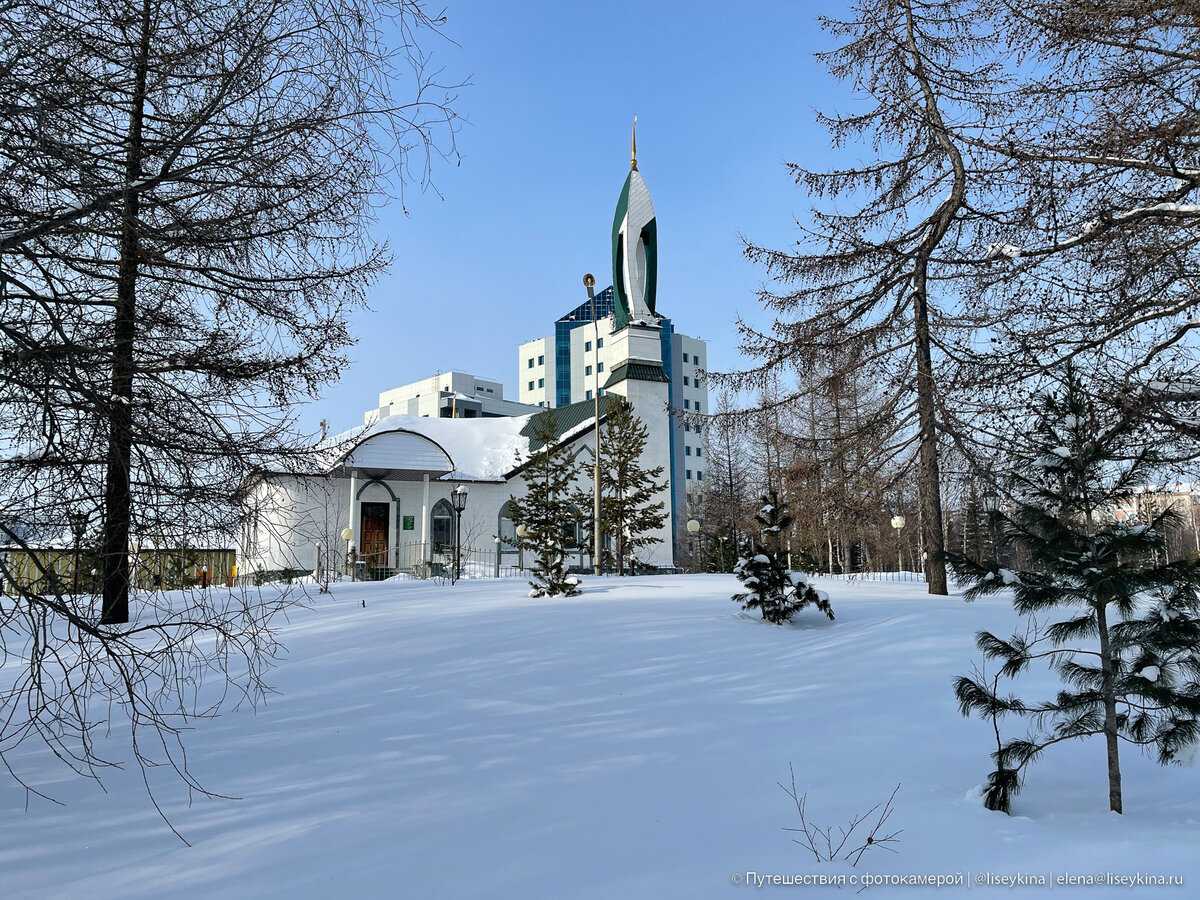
x=186, y=189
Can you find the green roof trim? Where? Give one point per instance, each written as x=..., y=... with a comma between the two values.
x=635, y=371
x=618, y=250
x=568, y=418
x=649, y=237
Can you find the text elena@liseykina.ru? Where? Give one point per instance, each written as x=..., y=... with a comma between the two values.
x=959, y=879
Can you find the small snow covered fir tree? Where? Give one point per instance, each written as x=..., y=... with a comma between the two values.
x=770, y=587
x=546, y=511
x=1127, y=642
x=629, y=512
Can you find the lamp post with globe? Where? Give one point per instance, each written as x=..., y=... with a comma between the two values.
x=348, y=537
x=898, y=524
x=693, y=527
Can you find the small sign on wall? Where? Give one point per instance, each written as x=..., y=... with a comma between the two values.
x=409, y=523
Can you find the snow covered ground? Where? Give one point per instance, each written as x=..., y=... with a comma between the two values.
x=468, y=742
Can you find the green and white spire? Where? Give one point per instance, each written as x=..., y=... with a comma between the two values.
x=634, y=248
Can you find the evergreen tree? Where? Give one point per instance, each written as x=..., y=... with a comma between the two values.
x=1128, y=645
x=628, y=510
x=546, y=511
x=770, y=587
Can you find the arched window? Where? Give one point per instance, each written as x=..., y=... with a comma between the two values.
x=506, y=529
x=442, y=524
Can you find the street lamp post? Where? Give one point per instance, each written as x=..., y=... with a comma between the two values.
x=497, y=556
x=693, y=527
x=589, y=282
x=79, y=521
x=521, y=532
x=458, y=499
x=991, y=505
x=898, y=524
x=348, y=537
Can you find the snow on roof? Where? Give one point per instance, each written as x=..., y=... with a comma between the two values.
x=480, y=449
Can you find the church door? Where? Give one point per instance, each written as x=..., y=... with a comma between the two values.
x=374, y=534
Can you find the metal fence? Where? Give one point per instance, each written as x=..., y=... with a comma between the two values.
x=876, y=576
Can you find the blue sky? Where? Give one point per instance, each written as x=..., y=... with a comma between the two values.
x=724, y=93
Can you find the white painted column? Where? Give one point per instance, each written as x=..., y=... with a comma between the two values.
x=425, y=554
x=353, y=504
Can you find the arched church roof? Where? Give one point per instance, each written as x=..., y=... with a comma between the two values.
x=478, y=449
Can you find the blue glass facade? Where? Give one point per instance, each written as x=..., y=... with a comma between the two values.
x=580, y=315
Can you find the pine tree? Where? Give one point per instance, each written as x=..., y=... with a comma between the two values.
x=770, y=587
x=546, y=511
x=628, y=510
x=1128, y=646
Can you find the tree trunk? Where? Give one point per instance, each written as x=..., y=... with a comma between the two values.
x=118, y=501
x=929, y=477
x=1110, y=712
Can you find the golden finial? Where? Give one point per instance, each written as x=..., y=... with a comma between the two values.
x=633, y=146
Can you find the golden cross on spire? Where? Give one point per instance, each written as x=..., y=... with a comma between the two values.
x=633, y=146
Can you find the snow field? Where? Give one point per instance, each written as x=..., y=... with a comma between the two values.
x=468, y=742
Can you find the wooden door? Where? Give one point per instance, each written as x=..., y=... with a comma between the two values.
x=374, y=529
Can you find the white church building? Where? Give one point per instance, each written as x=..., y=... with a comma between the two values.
x=388, y=485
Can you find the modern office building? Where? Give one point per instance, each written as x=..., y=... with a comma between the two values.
x=447, y=395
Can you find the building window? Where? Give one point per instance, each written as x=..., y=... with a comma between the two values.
x=599, y=367
x=697, y=406
x=442, y=522
x=599, y=343
x=587, y=346
x=689, y=474
x=685, y=381
x=687, y=404
x=601, y=392
x=531, y=362
x=587, y=370
x=687, y=451
x=589, y=396
x=699, y=475
x=541, y=360
x=541, y=382
x=531, y=385
x=698, y=453
x=685, y=359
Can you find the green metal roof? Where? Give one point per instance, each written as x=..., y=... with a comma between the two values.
x=567, y=418
x=635, y=371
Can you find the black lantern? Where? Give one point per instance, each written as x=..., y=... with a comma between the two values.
x=458, y=499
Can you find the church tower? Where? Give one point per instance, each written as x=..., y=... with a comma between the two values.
x=637, y=332
x=638, y=336
x=634, y=247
